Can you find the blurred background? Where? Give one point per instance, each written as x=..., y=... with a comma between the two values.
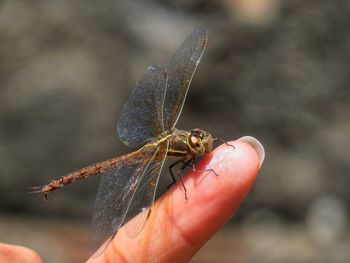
x=277, y=70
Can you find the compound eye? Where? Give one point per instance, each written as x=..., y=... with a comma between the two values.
x=194, y=141
x=197, y=145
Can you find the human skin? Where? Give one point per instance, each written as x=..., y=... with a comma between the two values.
x=177, y=227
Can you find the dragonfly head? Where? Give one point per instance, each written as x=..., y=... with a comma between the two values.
x=200, y=142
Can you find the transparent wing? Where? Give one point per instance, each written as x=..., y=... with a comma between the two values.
x=142, y=115
x=145, y=194
x=180, y=72
x=116, y=192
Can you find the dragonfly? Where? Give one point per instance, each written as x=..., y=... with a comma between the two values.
x=128, y=183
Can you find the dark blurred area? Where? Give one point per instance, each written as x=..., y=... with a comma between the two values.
x=276, y=70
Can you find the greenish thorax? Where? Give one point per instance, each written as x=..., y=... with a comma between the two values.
x=195, y=142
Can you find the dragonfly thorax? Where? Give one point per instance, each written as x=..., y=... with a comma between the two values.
x=195, y=142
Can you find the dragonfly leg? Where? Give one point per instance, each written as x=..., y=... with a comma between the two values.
x=179, y=172
x=225, y=142
x=171, y=171
x=193, y=165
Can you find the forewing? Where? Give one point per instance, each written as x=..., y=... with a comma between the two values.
x=142, y=115
x=145, y=194
x=180, y=72
x=116, y=191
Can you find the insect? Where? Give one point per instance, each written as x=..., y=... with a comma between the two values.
x=148, y=118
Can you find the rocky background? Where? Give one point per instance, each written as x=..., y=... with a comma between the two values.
x=277, y=70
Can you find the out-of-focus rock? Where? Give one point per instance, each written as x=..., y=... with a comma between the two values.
x=327, y=220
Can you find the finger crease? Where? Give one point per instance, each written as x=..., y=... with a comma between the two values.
x=116, y=253
x=178, y=229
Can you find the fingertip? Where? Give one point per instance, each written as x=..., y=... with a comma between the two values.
x=256, y=145
x=237, y=163
x=227, y=174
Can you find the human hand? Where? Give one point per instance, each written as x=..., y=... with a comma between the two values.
x=178, y=228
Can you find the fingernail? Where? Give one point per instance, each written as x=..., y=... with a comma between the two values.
x=257, y=146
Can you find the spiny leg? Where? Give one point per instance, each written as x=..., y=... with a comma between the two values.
x=193, y=165
x=190, y=163
x=179, y=172
x=225, y=142
x=171, y=172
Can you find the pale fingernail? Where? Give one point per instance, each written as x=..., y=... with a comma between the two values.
x=257, y=146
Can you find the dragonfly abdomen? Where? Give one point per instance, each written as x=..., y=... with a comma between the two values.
x=83, y=173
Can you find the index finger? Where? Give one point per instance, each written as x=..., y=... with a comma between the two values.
x=178, y=227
